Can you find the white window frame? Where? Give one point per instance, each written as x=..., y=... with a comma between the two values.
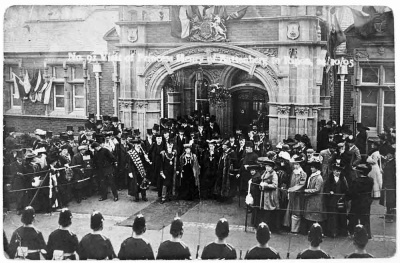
x=373, y=129
x=76, y=96
x=386, y=105
x=57, y=96
x=384, y=75
x=370, y=83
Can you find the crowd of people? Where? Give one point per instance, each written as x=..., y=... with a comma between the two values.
x=27, y=242
x=289, y=186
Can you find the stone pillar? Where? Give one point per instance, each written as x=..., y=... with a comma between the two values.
x=126, y=112
x=139, y=116
x=301, y=120
x=283, y=122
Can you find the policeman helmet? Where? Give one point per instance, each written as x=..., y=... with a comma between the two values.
x=28, y=215
x=65, y=217
x=263, y=233
x=315, y=235
x=222, y=229
x=96, y=220
x=139, y=225
x=360, y=236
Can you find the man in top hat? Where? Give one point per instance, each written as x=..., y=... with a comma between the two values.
x=323, y=136
x=104, y=162
x=388, y=197
x=181, y=139
x=155, y=129
x=315, y=235
x=121, y=179
x=90, y=124
x=99, y=127
x=361, y=199
x=314, y=198
x=70, y=130
x=62, y=242
x=240, y=149
x=116, y=130
x=220, y=249
x=262, y=250
x=156, y=159
x=360, y=241
x=136, y=247
x=40, y=137
x=174, y=249
x=249, y=158
x=212, y=128
x=361, y=138
x=95, y=245
x=138, y=175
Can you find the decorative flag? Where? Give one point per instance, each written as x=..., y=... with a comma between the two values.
x=336, y=37
x=27, y=85
x=185, y=22
x=46, y=99
x=18, y=87
x=33, y=81
x=238, y=14
x=38, y=82
x=176, y=27
x=39, y=94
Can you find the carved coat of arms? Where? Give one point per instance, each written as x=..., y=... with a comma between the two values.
x=132, y=34
x=293, y=30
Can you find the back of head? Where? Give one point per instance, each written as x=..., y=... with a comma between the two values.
x=28, y=215
x=176, y=227
x=360, y=236
x=139, y=225
x=96, y=221
x=65, y=217
x=315, y=235
x=222, y=229
x=263, y=233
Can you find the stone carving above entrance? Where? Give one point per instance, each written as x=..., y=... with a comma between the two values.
x=301, y=111
x=270, y=52
x=125, y=104
x=283, y=110
x=215, y=74
x=141, y=104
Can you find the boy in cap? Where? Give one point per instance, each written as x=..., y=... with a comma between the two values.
x=27, y=242
x=360, y=241
x=174, y=249
x=219, y=249
x=262, y=250
x=136, y=247
x=62, y=242
x=96, y=246
x=315, y=237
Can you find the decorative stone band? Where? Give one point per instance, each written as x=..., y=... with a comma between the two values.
x=302, y=111
x=283, y=110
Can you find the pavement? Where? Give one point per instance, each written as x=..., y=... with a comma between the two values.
x=199, y=227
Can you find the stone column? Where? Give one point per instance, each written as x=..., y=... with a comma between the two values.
x=301, y=120
x=126, y=112
x=283, y=122
x=140, y=108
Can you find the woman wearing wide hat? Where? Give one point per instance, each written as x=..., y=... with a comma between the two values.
x=313, y=196
x=335, y=190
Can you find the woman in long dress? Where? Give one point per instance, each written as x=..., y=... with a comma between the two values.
x=374, y=159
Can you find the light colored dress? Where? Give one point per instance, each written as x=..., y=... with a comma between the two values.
x=374, y=160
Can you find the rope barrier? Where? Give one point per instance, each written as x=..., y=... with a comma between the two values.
x=36, y=188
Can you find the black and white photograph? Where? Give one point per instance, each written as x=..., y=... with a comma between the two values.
x=175, y=130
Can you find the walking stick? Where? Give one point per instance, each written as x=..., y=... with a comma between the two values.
x=288, y=251
x=198, y=244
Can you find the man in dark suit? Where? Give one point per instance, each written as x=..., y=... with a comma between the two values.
x=90, y=124
x=180, y=141
x=361, y=138
x=81, y=188
x=122, y=155
x=104, y=162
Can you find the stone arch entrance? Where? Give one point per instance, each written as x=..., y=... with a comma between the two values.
x=210, y=56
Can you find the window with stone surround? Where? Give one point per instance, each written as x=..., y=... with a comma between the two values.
x=59, y=96
x=377, y=96
x=15, y=101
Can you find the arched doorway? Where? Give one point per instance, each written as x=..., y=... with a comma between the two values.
x=249, y=105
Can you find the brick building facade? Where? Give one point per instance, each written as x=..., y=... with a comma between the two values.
x=127, y=84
